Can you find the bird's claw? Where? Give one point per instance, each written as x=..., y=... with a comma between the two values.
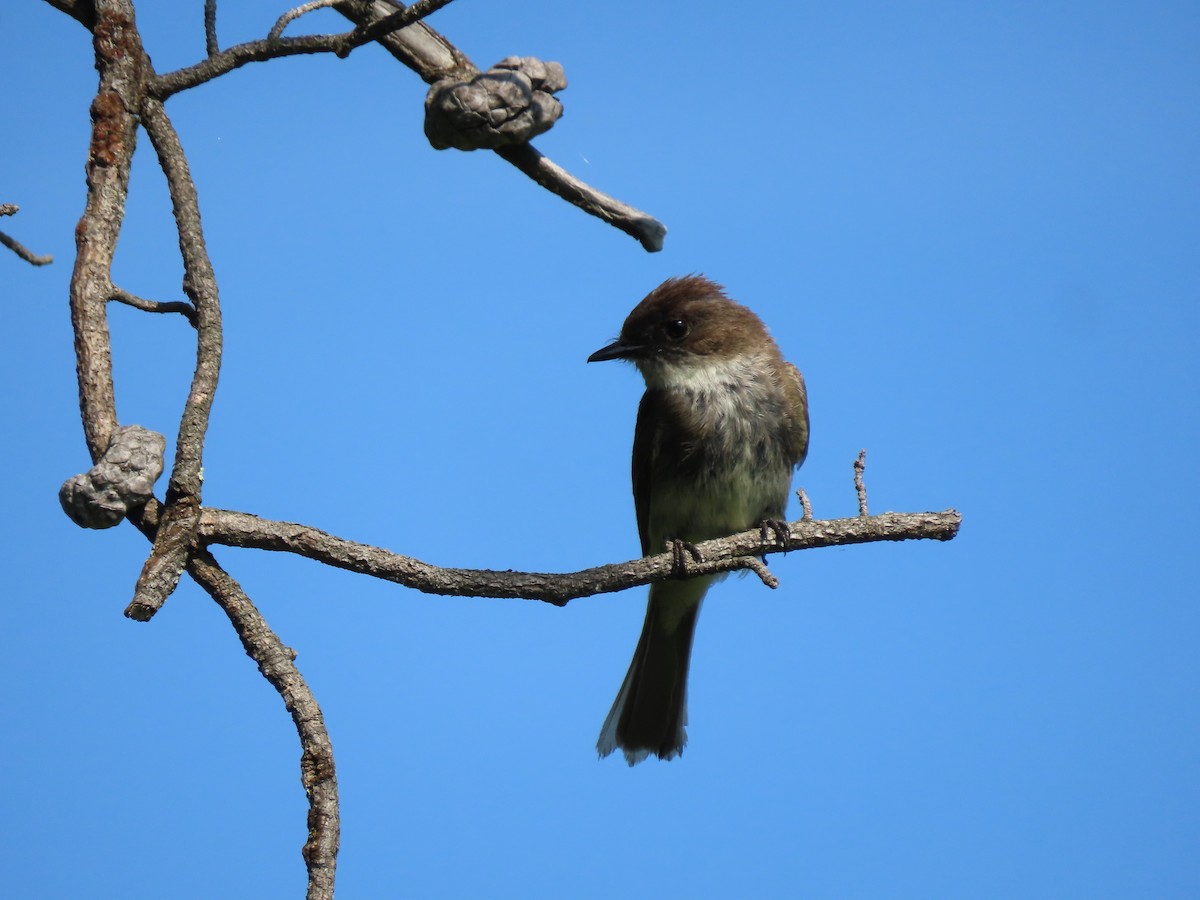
x=680, y=551
x=779, y=527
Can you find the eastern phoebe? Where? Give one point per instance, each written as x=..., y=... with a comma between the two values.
x=723, y=422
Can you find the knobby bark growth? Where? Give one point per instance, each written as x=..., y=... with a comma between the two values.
x=130, y=99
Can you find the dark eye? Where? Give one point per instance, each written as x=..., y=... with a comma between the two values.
x=676, y=331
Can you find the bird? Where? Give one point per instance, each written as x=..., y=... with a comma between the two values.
x=720, y=429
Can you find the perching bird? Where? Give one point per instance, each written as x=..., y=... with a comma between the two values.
x=722, y=424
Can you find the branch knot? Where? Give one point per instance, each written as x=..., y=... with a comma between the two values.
x=510, y=103
x=123, y=478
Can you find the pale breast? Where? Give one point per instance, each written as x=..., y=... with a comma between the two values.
x=732, y=469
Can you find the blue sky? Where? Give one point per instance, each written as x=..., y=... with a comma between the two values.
x=973, y=226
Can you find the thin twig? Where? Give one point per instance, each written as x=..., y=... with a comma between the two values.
x=24, y=252
x=211, y=47
x=155, y=306
x=647, y=230
x=759, y=568
x=860, y=465
x=239, y=55
x=11, y=209
x=293, y=14
x=804, y=505
x=341, y=45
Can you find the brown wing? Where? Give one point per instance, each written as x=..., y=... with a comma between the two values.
x=793, y=385
x=646, y=435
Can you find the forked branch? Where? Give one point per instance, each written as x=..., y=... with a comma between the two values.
x=182, y=531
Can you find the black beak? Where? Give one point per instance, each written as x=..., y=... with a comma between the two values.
x=615, y=350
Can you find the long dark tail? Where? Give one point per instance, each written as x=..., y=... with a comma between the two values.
x=650, y=711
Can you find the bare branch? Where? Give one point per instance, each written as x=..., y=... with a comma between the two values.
x=860, y=464
x=155, y=306
x=646, y=229
x=433, y=57
x=122, y=65
x=239, y=55
x=277, y=663
x=237, y=529
x=177, y=531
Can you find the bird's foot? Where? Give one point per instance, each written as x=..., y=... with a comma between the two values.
x=782, y=532
x=680, y=551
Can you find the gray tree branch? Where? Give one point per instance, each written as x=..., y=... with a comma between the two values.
x=277, y=664
x=177, y=532
x=236, y=529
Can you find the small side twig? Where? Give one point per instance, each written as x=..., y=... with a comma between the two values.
x=341, y=45
x=11, y=209
x=804, y=505
x=211, y=47
x=293, y=14
x=185, y=309
x=759, y=568
x=860, y=464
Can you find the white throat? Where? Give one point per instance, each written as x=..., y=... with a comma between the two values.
x=703, y=374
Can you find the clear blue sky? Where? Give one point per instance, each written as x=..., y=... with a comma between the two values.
x=975, y=228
